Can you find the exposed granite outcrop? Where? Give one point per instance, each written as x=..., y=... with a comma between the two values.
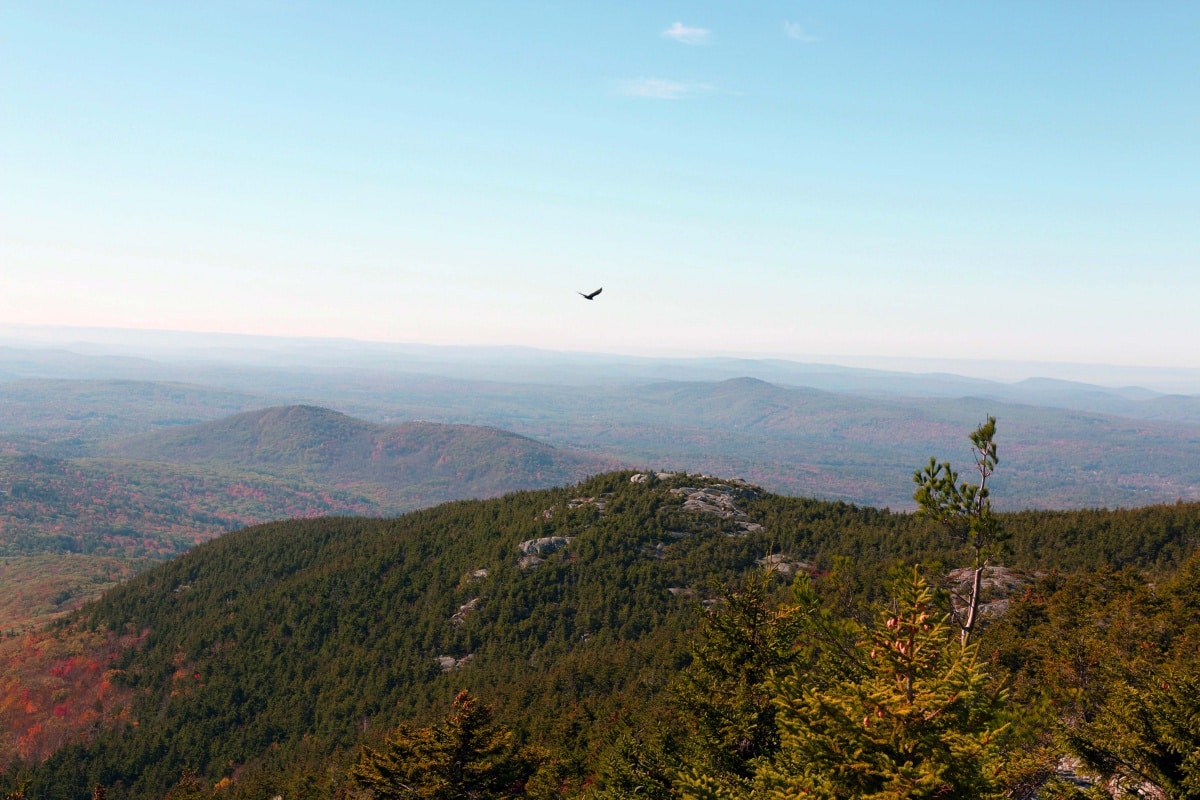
x=543, y=546
x=998, y=585
x=463, y=610
x=721, y=499
x=578, y=502
x=450, y=663
x=784, y=564
x=643, y=477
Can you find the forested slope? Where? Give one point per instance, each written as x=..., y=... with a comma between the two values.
x=296, y=640
x=154, y=495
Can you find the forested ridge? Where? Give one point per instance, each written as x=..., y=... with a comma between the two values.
x=259, y=663
x=155, y=495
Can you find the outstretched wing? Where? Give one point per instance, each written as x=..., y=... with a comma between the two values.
x=591, y=296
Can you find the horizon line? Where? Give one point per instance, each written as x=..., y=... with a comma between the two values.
x=676, y=353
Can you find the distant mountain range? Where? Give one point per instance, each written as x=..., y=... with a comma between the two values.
x=228, y=436
x=63, y=417
x=1079, y=446
x=73, y=352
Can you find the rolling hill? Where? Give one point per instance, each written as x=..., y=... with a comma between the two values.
x=797, y=440
x=809, y=442
x=810, y=430
x=155, y=495
x=159, y=493
x=401, y=467
x=63, y=417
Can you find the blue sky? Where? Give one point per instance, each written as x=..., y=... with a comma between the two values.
x=965, y=180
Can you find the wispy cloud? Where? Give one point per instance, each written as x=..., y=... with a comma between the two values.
x=682, y=33
x=793, y=30
x=659, y=89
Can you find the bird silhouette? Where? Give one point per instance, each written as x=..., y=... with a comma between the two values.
x=591, y=296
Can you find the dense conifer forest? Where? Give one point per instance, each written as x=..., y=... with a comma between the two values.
x=635, y=634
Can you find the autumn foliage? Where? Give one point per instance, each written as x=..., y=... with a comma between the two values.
x=57, y=686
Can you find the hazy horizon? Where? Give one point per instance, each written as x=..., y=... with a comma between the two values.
x=174, y=344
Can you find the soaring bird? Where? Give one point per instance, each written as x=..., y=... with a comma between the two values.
x=591, y=296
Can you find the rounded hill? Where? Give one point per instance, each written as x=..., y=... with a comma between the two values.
x=401, y=466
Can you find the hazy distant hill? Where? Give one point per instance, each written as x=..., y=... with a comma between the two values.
x=402, y=466
x=61, y=416
x=199, y=358
x=794, y=439
x=806, y=429
x=861, y=449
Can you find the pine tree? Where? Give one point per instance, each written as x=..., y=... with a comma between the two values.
x=468, y=757
x=920, y=721
x=721, y=716
x=190, y=787
x=725, y=692
x=965, y=510
x=643, y=762
x=1145, y=741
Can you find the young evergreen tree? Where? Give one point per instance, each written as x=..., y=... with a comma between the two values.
x=719, y=719
x=725, y=691
x=918, y=720
x=1145, y=742
x=190, y=787
x=468, y=757
x=919, y=723
x=965, y=509
x=643, y=763
x=722, y=715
